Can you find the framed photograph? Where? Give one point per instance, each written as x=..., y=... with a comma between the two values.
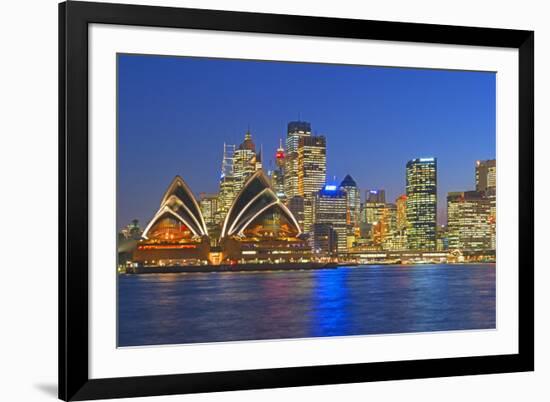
x=256, y=200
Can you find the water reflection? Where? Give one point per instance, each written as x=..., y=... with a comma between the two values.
x=190, y=308
x=330, y=310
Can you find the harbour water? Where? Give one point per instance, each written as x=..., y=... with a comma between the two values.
x=156, y=309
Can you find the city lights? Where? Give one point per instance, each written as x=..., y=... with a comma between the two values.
x=255, y=215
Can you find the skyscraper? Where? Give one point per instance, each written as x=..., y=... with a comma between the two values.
x=280, y=156
x=312, y=172
x=401, y=218
x=442, y=238
x=228, y=187
x=209, y=207
x=245, y=161
x=325, y=240
x=486, y=182
x=468, y=221
x=296, y=206
x=278, y=176
x=486, y=176
x=385, y=229
x=373, y=209
x=422, y=203
x=375, y=196
x=330, y=208
x=295, y=131
x=353, y=200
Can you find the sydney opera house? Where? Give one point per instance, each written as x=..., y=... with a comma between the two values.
x=257, y=228
x=177, y=233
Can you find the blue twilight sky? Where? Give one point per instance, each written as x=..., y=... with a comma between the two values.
x=175, y=113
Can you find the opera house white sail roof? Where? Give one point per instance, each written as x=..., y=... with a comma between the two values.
x=178, y=204
x=254, y=201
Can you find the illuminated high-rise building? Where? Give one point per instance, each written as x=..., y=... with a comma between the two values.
x=378, y=196
x=246, y=161
x=493, y=222
x=296, y=206
x=385, y=227
x=386, y=231
x=353, y=199
x=312, y=172
x=442, y=238
x=228, y=182
x=296, y=130
x=468, y=221
x=209, y=207
x=396, y=238
x=486, y=176
x=373, y=212
x=363, y=226
x=330, y=207
x=278, y=176
x=422, y=203
x=401, y=212
x=280, y=156
x=486, y=182
x=325, y=240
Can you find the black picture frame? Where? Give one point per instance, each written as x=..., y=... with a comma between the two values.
x=74, y=381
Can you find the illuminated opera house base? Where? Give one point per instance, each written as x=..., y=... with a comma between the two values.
x=258, y=229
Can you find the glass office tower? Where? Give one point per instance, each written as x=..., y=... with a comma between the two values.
x=421, y=203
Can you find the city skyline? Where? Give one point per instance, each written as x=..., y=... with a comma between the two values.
x=146, y=161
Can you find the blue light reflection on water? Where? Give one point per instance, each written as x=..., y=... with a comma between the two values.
x=214, y=307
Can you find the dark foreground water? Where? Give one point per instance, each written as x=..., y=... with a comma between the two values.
x=187, y=308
